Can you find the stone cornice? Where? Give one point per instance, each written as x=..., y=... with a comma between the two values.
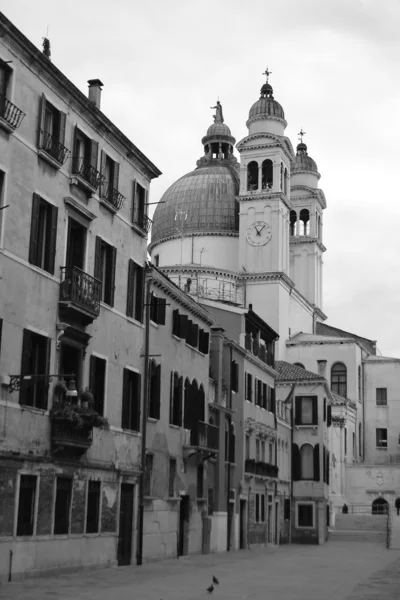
x=263, y=117
x=306, y=171
x=188, y=234
x=383, y=359
x=251, y=358
x=265, y=196
x=319, y=342
x=277, y=140
x=304, y=239
x=313, y=193
x=201, y=269
x=47, y=71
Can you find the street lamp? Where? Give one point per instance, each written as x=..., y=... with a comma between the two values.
x=18, y=381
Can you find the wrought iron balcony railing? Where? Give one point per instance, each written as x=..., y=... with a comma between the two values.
x=81, y=289
x=142, y=220
x=65, y=433
x=85, y=170
x=11, y=114
x=54, y=148
x=112, y=196
x=259, y=467
x=258, y=349
x=204, y=435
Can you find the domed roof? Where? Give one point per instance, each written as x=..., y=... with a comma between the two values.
x=207, y=196
x=266, y=106
x=219, y=129
x=302, y=161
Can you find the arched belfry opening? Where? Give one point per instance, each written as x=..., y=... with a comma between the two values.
x=252, y=176
x=293, y=222
x=267, y=174
x=304, y=222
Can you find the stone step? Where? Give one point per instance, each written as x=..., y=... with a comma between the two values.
x=357, y=536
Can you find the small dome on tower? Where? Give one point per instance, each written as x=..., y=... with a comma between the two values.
x=302, y=161
x=266, y=106
x=219, y=129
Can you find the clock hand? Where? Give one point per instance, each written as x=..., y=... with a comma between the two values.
x=258, y=233
x=262, y=228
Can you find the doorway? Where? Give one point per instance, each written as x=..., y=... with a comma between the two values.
x=270, y=525
x=380, y=506
x=76, y=243
x=184, y=517
x=124, y=551
x=243, y=524
x=276, y=523
x=71, y=362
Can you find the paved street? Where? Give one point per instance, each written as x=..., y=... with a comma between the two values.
x=337, y=571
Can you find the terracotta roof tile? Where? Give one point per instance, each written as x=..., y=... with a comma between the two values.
x=289, y=372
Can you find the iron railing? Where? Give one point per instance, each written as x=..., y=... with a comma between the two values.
x=112, y=195
x=204, y=435
x=10, y=113
x=140, y=219
x=81, y=289
x=259, y=467
x=258, y=349
x=66, y=433
x=85, y=170
x=54, y=148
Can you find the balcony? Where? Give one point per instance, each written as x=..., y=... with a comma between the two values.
x=111, y=198
x=141, y=220
x=260, y=468
x=52, y=150
x=10, y=115
x=204, y=441
x=66, y=436
x=85, y=175
x=79, y=296
x=258, y=350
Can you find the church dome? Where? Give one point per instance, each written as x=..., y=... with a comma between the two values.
x=266, y=106
x=204, y=200
x=302, y=161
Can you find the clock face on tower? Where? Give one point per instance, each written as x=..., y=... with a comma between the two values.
x=258, y=233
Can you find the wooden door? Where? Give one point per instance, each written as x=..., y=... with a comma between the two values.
x=124, y=552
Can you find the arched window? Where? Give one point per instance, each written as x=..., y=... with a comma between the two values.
x=267, y=174
x=380, y=506
x=252, y=175
x=339, y=379
x=307, y=461
x=300, y=365
x=187, y=417
x=293, y=222
x=304, y=222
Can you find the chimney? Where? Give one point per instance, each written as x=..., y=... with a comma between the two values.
x=321, y=367
x=95, y=91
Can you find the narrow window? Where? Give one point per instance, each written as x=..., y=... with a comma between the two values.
x=43, y=236
x=267, y=174
x=354, y=444
x=286, y=509
x=293, y=222
x=262, y=502
x=148, y=475
x=35, y=361
x=139, y=212
x=249, y=387
x=210, y=500
x=135, y=292
x=2, y=203
x=1, y=332
x=98, y=382
x=345, y=441
x=247, y=446
x=104, y=269
x=131, y=400
x=200, y=481
x=264, y=403
x=381, y=438
x=176, y=400
x=381, y=396
x=93, y=507
x=155, y=390
x=157, y=260
x=304, y=222
x=306, y=408
x=262, y=457
x=305, y=515
x=257, y=508
x=109, y=170
x=339, y=379
x=63, y=506
x=270, y=453
x=257, y=449
x=307, y=462
x=85, y=159
x=52, y=132
x=234, y=376
x=252, y=176
x=26, y=505
x=157, y=309
x=359, y=439
x=172, y=477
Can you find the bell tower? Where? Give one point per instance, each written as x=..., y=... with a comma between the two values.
x=266, y=154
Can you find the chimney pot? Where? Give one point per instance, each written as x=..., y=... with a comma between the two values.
x=95, y=86
x=321, y=367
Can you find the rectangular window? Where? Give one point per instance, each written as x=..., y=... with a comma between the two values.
x=76, y=246
x=234, y=376
x=52, y=124
x=63, y=506
x=109, y=169
x=175, y=322
x=259, y=392
x=1, y=332
x=257, y=508
x=381, y=438
x=2, y=203
x=35, y=361
x=262, y=451
x=148, y=475
x=157, y=309
x=345, y=441
x=139, y=216
x=200, y=481
x=176, y=398
x=172, y=477
x=204, y=341
x=354, y=444
x=5, y=77
x=286, y=509
x=98, y=382
x=249, y=385
x=104, y=269
x=257, y=449
x=262, y=502
x=192, y=334
x=131, y=400
x=155, y=390
x=135, y=293
x=157, y=260
x=26, y=505
x=247, y=446
x=381, y=396
x=305, y=515
x=43, y=236
x=264, y=403
x=85, y=159
x=306, y=410
x=93, y=507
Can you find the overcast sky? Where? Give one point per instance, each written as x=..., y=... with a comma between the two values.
x=335, y=70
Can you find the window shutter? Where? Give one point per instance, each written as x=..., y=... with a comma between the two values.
x=42, y=112
x=246, y=392
x=324, y=409
x=315, y=410
x=233, y=375
x=34, y=229
x=175, y=322
x=236, y=377
x=273, y=402
x=137, y=407
x=43, y=400
x=158, y=392
x=133, y=215
x=139, y=300
x=250, y=387
x=116, y=176
x=329, y=417
x=161, y=310
x=296, y=471
x=171, y=398
x=189, y=331
x=195, y=335
x=125, y=424
x=97, y=259
x=53, y=239
x=328, y=456
x=183, y=326
x=316, y=463
x=25, y=361
x=92, y=375
x=323, y=464
x=298, y=402
x=103, y=187
x=94, y=153
x=61, y=131
x=112, y=279
x=206, y=342
x=129, y=295
x=180, y=397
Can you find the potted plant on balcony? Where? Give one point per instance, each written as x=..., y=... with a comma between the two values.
x=87, y=400
x=79, y=416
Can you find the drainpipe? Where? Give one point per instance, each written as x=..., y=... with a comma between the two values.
x=139, y=553
x=228, y=528
x=363, y=407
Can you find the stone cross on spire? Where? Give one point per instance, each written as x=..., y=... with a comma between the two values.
x=300, y=134
x=267, y=73
x=218, y=118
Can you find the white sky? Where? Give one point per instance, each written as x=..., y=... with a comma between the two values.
x=335, y=71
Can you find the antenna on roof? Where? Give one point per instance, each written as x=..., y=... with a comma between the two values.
x=46, y=45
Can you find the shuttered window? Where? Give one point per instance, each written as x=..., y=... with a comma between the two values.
x=264, y=403
x=234, y=376
x=204, y=341
x=109, y=169
x=43, y=237
x=305, y=515
x=104, y=269
x=51, y=134
x=131, y=400
x=381, y=396
x=35, y=361
x=155, y=390
x=98, y=382
x=306, y=410
x=249, y=386
x=135, y=291
x=175, y=323
x=257, y=508
x=176, y=400
x=158, y=308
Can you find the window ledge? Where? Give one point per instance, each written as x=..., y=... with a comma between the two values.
x=82, y=183
x=131, y=432
x=152, y=419
x=383, y=448
x=177, y=338
x=52, y=161
x=381, y=405
x=305, y=426
x=173, y=499
x=195, y=350
x=149, y=498
x=34, y=409
x=201, y=500
x=173, y=426
x=139, y=230
x=104, y=202
x=6, y=126
x=154, y=324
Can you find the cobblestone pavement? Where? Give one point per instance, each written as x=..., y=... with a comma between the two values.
x=336, y=571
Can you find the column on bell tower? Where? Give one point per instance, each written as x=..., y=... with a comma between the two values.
x=305, y=222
